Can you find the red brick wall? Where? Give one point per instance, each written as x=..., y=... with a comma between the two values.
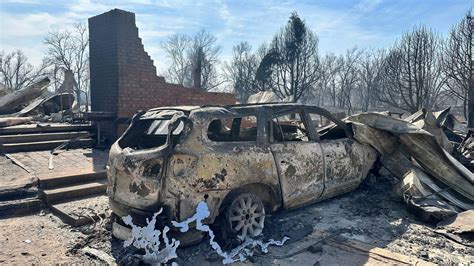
x=139, y=88
x=142, y=97
x=123, y=76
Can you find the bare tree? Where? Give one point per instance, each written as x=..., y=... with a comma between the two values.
x=241, y=71
x=204, y=57
x=370, y=69
x=194, y=60
x=293, y=60
x=176, y=48
x=68, y=50
x=412, y=76
x=325, y=91
x=348, y=78
x=16, y=72
x=458, y=63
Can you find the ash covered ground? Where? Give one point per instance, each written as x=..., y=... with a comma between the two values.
x=372, y=214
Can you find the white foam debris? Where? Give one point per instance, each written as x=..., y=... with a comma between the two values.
x=148, y=238
x=202, y=212
x=240, y=253
x=245, y=249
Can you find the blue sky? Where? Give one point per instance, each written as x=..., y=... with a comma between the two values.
x=340, y=25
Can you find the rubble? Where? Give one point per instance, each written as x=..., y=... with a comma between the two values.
x=414, y=149
x=101, y=255
x=460, y=223
x=433, y=125
x=36, y=104
x=459, y=227
x=11, y=102
x=49, y=105
x=452, y=127
x=465, y=152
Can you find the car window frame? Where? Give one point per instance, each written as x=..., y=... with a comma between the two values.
x=259, y=136
x=323, y=112
x=300, y=110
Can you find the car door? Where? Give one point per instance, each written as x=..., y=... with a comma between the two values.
x=234, y=154
x=347, y=161
x=299, y=159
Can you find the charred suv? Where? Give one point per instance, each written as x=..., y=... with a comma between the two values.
x=243, y=160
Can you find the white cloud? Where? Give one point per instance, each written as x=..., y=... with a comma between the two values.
x=29, y=25
x=367, y=5
x=27, y=31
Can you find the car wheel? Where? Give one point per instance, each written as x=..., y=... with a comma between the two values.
x=246, y=216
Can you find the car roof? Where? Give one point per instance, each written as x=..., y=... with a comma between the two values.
x=228, y=109
x=245, y=109
x=250, y=105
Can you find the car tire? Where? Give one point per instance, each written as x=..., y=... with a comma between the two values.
x=245, y=216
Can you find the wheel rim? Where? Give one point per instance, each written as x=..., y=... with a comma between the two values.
x=247, y=216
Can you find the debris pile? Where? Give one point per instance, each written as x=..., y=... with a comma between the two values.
x=466, y=151
x=11, y=102
x=33, y=103
x=461, y=224
x=418, y=151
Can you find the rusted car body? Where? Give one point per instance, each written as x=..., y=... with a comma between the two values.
x=175, y=157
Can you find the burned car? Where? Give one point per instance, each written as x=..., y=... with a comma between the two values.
x=243, y=160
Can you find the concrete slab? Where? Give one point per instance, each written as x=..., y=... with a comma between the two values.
x=14, y=179
x=44, y=127
x=19, y=207
x=46, y=145
x=77, y=191
x=35, y=137
x=59, y=179
x=74, y=173
x=66, y=163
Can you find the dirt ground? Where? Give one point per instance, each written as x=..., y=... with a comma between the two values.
x=371, y=214
x=36, y=239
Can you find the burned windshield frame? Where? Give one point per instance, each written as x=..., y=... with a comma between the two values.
x=150, y=132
